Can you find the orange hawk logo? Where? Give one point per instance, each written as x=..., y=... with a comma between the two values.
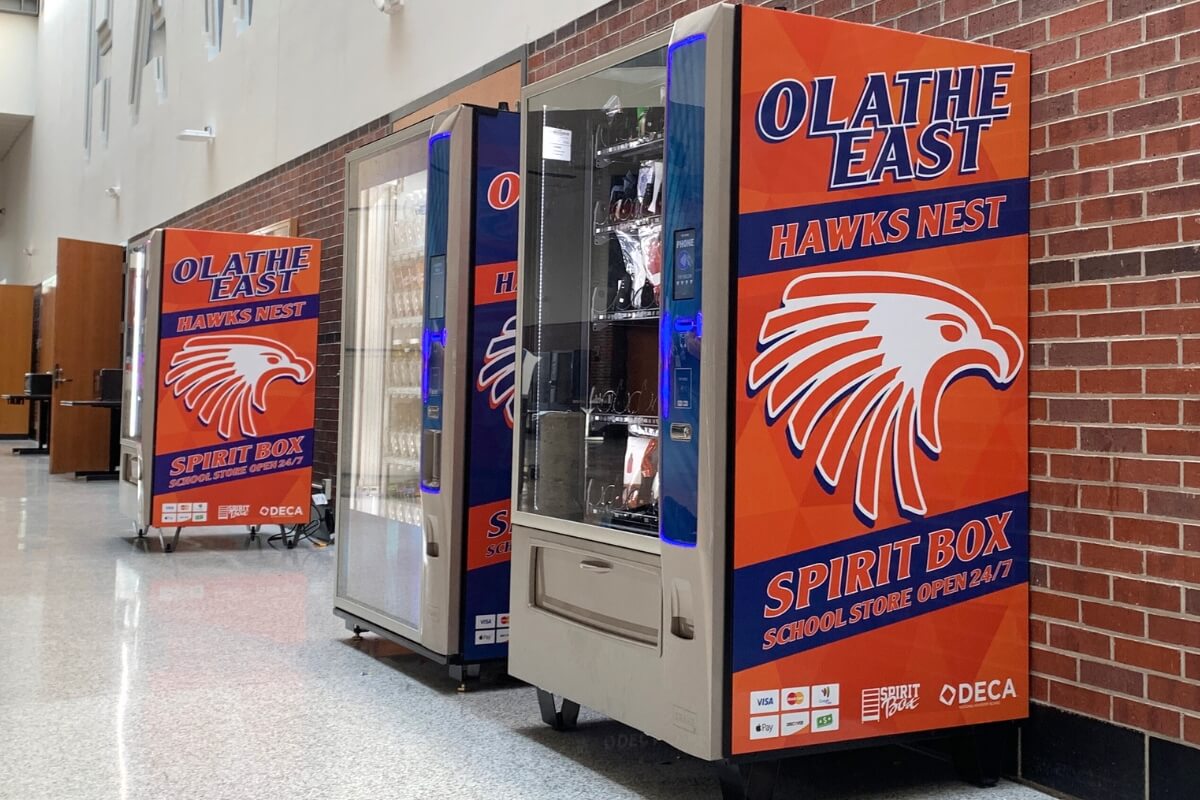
x=497, y=376
x=877, y=351
x=224, y=378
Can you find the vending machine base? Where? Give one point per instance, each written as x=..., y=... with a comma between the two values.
x=459, y=670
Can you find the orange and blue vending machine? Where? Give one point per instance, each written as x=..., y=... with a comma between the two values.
x=428, y=363
x=830, y=544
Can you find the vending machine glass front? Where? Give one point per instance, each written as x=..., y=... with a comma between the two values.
x=135, y=342
x=592, y=298
x=379, y=517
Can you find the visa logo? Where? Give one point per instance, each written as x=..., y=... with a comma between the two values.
x=764, y=701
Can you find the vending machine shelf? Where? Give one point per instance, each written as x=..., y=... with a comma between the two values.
x=636, y=315
x=630, y=225
x=645, y=144
x=625, y=419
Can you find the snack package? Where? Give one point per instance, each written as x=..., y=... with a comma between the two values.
x=641, y=470
x=651, y=247
x=634, y=257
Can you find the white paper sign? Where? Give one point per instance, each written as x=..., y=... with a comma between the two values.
x=319, y=499
x=556, y=144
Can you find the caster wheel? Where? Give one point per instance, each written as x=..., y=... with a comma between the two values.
x=978, y=756
x=564, y=719
x=755, y=781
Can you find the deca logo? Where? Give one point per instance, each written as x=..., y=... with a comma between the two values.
x=977, y=693
x=280, y=511
x=504, y=191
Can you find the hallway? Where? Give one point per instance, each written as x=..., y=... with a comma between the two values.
x=221, y=672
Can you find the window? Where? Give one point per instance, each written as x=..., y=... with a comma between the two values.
x=149, y=52
x=20, y=6
x=214, y=13
x=243, y=11
x=99, y=79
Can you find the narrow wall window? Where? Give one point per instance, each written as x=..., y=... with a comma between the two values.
x=243, y=12
x=149, y=52
x=98, y=103
x=214, y=13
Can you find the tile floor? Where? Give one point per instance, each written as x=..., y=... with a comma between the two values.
x=220, y=672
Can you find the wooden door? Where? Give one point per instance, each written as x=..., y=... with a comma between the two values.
x=87, y=337
x=16, y=355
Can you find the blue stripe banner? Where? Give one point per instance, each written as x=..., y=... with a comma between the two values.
x=222, y=463
x=793, y=238
x=805, y=600
x=245, y=315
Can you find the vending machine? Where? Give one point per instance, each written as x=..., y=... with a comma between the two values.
x=771, y=472
x=428, y=370
x=219, y=387
x=131, y=493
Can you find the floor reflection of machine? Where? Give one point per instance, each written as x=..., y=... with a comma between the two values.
x=427, y=387
x=771, y=268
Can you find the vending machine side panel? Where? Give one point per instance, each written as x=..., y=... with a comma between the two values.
x=491, y=382
x=879, y=579
x=143, y=301
x=694, y=383
x=443, y=357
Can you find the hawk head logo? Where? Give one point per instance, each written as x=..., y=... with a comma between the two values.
x=876, y=351
x=497, y=376
x=224, y=378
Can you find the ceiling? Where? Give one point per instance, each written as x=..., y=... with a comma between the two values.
x=11, y=126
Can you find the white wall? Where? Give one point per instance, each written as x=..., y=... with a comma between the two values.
x=303, y=73
x=18, y=51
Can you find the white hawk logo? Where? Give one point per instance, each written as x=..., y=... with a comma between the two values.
x=224, y=378
x=497, y=376
x=877, y=350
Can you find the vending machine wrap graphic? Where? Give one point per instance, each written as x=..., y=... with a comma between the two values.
x=233, y=433
x=880, y=522
x=496, y=193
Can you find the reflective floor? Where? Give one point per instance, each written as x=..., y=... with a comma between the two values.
x=219, y=671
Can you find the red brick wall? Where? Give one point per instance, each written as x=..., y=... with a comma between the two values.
x=1115, y=267
x=309, y=189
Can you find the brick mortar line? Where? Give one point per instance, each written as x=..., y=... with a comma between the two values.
x=1140, y=548
x=1115, y=694
x=1111, y=661
x=1109, y=601
x=1114, y=636
x=1146, y=699
x=1077, y=115
x=1141, y=160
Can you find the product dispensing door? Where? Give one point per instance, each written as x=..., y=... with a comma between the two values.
x=427, y=387
x=771, y=480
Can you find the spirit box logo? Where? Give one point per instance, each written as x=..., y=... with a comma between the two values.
x=224, y=378
x=961, y=102
x=504, y=191
x=498, y=373
x=254, y=273
x=877, y=351
x=885, y=702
